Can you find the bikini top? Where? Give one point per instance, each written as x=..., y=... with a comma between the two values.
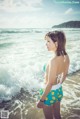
x=59, y=76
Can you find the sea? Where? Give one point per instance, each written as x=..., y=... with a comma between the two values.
x=23, y=54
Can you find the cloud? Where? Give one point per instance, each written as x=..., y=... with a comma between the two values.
x=32, y=21
x=24, y=22
x=69, y=11
x=20, y=5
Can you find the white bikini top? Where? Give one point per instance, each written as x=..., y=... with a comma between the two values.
x=59, y=82
x=59, y=77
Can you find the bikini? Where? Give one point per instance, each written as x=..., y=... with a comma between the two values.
x=56, y=92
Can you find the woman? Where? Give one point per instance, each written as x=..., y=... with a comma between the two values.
x=56, y=72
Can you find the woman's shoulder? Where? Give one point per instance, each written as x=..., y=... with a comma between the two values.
x=53, y=61
x=58, y=59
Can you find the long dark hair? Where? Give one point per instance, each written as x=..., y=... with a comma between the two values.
x=59, y=37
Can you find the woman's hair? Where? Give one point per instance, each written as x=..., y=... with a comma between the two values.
x=59, y=37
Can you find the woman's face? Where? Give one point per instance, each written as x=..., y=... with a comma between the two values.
x=51, y=46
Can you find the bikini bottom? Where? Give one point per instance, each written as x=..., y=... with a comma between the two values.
x=55, y=94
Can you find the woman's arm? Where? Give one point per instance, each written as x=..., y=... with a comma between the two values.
x=51, y=78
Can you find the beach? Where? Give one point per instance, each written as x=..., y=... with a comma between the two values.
x=23, y=105
x=23, y=55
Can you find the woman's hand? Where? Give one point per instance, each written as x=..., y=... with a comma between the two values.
x=40, y=104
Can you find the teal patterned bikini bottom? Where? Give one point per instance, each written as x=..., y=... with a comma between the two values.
x=53, y=96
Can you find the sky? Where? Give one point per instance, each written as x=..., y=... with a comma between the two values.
x=37, y=13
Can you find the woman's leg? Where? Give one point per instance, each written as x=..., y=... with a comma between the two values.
x=56, y=110
x=48, y=112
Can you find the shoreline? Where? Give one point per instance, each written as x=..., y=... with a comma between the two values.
x=73, y=106
x=24, y=102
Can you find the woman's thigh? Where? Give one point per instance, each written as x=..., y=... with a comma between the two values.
x=48, y=112
x=56, y=110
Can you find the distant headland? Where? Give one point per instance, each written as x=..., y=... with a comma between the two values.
x=69, y=24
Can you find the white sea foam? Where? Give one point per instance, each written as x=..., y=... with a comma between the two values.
x=23, y=55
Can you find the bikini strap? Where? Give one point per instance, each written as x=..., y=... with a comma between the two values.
x=60, y=77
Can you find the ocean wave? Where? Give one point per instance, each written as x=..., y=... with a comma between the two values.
x=6, y=31
x=23, y=57
x=12, y=31
x=4, y=45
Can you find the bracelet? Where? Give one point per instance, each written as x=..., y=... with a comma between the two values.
x=41, y=100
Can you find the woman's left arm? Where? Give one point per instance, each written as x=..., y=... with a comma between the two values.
x=51, y=80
